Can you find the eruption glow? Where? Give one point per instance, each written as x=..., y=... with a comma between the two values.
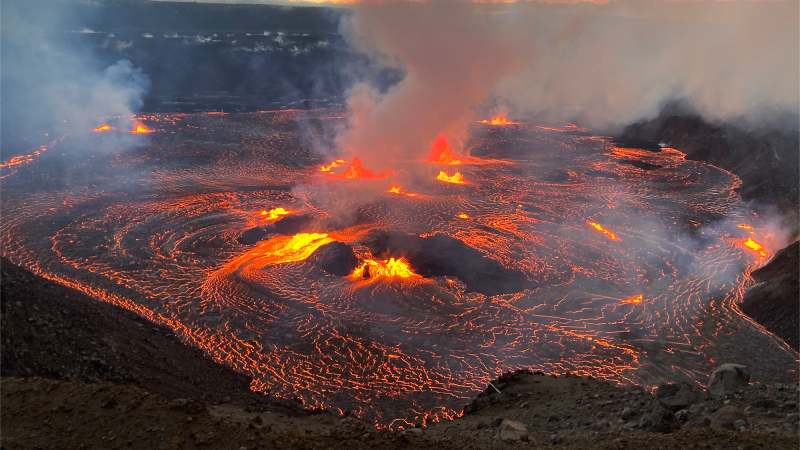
x=395, y=189
x=389, y=268
x=275, y=213
x=357, y=170
x=139, y=128
x=456, y=178
x=441, y=152
x=332, y=165
x=756, y=247
x=102, y=128
x=499, y=120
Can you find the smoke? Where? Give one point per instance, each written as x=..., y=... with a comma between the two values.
x=601, y=65
x=53, y=81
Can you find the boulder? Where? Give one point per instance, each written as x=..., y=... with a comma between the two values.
x=252, y=236
x=725, y=418
x=676, y=397
x=335, y=258
x=659, y=420
x=728, y=378
x=511, y=430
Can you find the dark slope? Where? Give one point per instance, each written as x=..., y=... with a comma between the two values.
x=775, y=301
x=52, y=331
x=766, y=158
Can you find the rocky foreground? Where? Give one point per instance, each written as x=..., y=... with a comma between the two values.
x=78, y=373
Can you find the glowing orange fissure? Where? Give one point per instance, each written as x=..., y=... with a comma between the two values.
x=102, y=128
x=600, y=228
x=456, y=178
x=275, y=213
x=389, y=268
x=441, y=152
x=498, y=120
x=462, y=216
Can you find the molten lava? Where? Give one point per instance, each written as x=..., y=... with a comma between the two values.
x=634, y=299
x=499, y=120
x=283, y=249
x=600, y=228
x=102, y=128
x=462, y=216
x=756, y=247
x=457, y=178
x=334, y=164
x=395, y=189
x=748, y=228
x=139, y=128
x=390, y=268
x=275, y=213
x=357, y=170
x=441, y=152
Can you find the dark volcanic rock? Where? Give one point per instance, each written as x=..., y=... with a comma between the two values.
x=728, y=378
x=53, y=331
x=295, y=224
x=639, y=164
x=774, y=302
x=252, y=236
x=335, y=258
x=676, y=397
x=725, y=417
x=442, y=255
x=659, y=420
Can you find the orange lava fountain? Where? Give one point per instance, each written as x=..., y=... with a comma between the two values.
x=390, y=268
x=139, y=128
x=634, y=299
x=441, y=152
x=600, y=228
x=334, y=164
x=456, y=178
x=102, y=128
x=357, y=170
x=275, y=213
x=462, y=216
x=499, y=120
x=395, y=189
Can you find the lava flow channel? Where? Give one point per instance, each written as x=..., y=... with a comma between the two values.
x=404, y=350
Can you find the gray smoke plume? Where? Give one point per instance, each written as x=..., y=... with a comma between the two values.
x=53, y=82
x=603, y=65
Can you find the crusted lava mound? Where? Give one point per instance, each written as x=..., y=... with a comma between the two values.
x=773, y=302
x=442, y=255
x=335, y=258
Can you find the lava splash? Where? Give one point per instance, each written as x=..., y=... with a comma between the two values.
x=441, y=152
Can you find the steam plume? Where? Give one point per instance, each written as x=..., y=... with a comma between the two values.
x=51, y=75
x=605, y=65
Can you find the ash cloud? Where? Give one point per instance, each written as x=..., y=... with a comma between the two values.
x=53, y=82
x=603, y=66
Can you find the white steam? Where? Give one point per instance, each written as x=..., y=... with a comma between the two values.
x=53, y=81
x=605, y=65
